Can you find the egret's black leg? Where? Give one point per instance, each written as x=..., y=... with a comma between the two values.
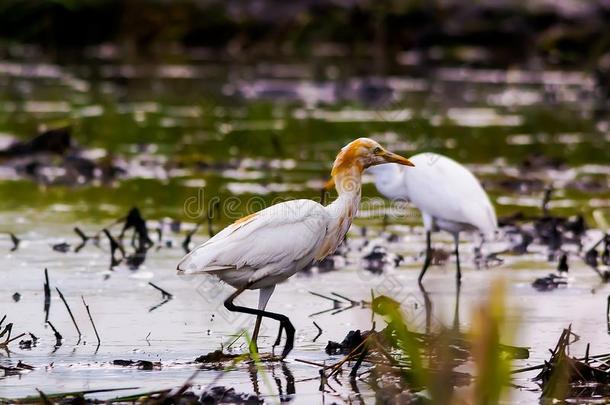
x=257, y=327
x=289, y=328
x=282, y=319
x=456, y=237
x=428, y=258
x=279, y=337
x=278, y=340
x=456, y=313
x=428, y=308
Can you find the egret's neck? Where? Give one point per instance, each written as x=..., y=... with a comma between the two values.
x=389, y=180
x=343, y=210
x=349, y=185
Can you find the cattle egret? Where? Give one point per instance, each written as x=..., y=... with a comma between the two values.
x=267, y=247
x=448, y=195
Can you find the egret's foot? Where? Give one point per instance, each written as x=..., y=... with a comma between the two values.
x=289, y=338
x=285, y=325
x=278, y=340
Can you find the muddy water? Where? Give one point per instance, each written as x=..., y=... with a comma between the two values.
x=187, y=133
x=194, y=322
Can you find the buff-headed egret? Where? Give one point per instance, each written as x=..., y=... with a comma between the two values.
x=267, y=247
x=448, y=195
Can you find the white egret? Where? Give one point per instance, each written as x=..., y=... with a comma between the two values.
x=262, y=249
x=448, y=195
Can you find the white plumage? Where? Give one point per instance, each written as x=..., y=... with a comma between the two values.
x=448, y=195
x=269, y=246
x=265, y=248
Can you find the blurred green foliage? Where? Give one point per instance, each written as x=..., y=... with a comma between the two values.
x=429, y=368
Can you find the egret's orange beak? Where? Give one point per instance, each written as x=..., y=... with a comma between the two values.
x=329, y=184
x=394, y=158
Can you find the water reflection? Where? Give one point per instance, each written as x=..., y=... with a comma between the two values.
x=429, y=311
x=259, y=373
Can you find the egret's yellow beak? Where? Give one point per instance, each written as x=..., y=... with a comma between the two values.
x=394, y=158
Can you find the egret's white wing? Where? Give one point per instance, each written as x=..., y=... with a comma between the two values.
x=278, y=235
x=443, y=188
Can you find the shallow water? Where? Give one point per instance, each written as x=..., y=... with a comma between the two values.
x=194, y=322
x=189, y=132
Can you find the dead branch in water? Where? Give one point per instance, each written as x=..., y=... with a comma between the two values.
x=91, y=319
x=58, y=337
x=319, y=331
x=15, y=241
x=186, y=244
x=165, y=294
x=114, y=247
x=69, y=312
x=47, y=295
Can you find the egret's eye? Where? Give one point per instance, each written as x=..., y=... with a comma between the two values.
x=377, y=150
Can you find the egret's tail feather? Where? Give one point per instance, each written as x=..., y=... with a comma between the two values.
x=189, y=265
